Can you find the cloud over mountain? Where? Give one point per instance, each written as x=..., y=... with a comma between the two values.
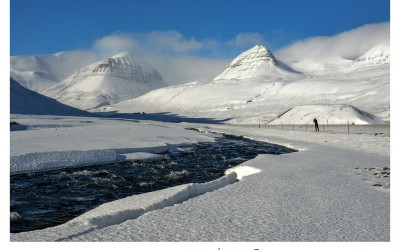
x=347, y=45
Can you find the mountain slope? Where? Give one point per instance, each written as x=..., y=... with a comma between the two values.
x=255, y=62
x=109, y=81
x=25, y=101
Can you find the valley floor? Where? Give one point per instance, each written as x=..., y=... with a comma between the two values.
x=332, y=189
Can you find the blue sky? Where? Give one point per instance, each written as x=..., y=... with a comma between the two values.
x=217, y=29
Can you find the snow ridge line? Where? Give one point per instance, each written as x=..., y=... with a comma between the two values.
x=111, y=213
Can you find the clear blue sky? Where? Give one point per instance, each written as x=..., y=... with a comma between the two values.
x=50, y=26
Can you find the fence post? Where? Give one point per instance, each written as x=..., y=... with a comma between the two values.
x=306, y=127
x=348, y=127
x=323, y=127
x=259, y=125
x=293, y=127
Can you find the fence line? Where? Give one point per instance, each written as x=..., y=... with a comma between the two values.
x=381, y=129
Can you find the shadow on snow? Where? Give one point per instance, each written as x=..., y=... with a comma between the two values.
x=162, y=117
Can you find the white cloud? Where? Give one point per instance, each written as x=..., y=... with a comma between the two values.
x=172, y=41
x=142, y=43
x=184, y=69
x=347, y=45
x=180, y=59
x=246, y=40
x=170, y=52
x=114, y=44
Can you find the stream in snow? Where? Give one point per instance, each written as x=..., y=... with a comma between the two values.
x=43, y=199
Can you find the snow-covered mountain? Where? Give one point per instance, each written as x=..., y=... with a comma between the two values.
x=254, y=88
x=255, y=62
x=109, y=81
x=327, y=114
x=25, y=101
x=40, y=72
x=257, y=97
x=380, y=54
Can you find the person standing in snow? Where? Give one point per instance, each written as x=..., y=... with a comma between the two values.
x=316, y=125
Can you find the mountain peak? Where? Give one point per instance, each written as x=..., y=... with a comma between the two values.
x=114, y=79
x=379, y=54
x=258, y=53
x=257, y=61
x=126, y=65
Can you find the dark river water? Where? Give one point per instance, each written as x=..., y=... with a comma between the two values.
x=44, y=199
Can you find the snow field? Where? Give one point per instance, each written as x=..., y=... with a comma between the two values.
x=310, y=195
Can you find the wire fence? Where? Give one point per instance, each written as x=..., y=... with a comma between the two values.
x=383, y=129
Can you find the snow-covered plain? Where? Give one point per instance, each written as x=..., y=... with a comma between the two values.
x=332, y=189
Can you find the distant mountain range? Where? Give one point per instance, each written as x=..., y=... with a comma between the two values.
x=254, y=87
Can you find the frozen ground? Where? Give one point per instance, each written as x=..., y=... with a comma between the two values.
x=336, y=188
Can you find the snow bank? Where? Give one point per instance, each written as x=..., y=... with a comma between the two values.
x=132, y=207
x=55, y=141
x=242, y=171
x=49, y=160
x=61, y=159
x=129, y=208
